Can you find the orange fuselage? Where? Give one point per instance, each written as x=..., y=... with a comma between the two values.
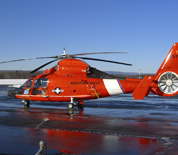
x=72, y=78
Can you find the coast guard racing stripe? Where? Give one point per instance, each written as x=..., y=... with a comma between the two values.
x=112, y=86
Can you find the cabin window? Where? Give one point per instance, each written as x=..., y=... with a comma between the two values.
x=42, y=83
x=40, y=86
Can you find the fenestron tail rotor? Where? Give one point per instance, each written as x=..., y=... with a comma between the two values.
x=168, y=82
x=66, y=56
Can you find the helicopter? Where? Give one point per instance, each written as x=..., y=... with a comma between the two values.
x=72, y=80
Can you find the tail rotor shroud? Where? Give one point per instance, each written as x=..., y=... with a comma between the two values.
x=168, y=82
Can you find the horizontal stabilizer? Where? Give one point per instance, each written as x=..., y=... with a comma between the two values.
x=142, y=89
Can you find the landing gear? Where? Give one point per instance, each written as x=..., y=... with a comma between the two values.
x=26, y=103
x=71, y=105
x=80, y=105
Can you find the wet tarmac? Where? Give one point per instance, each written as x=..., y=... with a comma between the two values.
x=114, y=125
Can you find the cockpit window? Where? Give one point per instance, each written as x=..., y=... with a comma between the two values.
x=41, y=82
x=28, y=87
x=29, y=84
x=23, y=85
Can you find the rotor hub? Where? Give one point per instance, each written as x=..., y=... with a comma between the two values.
x=169, y=82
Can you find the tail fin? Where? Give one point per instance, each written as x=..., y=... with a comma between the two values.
x=166, y=78
x=165, y=81
x=170, y=63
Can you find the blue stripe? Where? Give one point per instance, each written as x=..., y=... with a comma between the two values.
x=121, y=86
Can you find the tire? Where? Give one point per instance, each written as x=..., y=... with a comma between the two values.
x=26, y=104
x=80, y=106
x=71, y=106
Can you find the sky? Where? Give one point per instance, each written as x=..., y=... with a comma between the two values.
x=146, y=29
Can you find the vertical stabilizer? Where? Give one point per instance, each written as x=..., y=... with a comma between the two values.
x=166, y=79
x=170, y=63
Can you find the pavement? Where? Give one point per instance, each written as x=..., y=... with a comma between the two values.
x=117, y=125
x=74, y=132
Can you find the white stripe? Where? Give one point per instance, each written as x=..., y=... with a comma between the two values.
x=112, y=86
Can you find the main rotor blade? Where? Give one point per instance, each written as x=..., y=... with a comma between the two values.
x=100, y=53
x=29, y=59
x=42, y=66
x=105, y=60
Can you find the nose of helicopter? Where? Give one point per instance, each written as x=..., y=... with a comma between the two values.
x=15, y=91
x=12, y=93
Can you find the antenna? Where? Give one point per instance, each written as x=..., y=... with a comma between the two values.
x=64, y=51
x=139, y=72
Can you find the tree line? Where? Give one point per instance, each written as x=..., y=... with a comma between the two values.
x=17, y=74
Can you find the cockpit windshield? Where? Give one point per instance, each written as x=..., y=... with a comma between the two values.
x=23, y=85
x=29, y=84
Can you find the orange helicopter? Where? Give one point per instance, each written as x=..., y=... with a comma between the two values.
x=72, y=80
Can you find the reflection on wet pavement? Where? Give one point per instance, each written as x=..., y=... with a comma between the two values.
x=131, y=128
x=73, y=132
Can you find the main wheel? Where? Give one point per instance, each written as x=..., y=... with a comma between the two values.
x=71, y=106
x=80, y=105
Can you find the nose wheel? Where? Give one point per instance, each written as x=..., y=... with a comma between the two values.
x=26, y=103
